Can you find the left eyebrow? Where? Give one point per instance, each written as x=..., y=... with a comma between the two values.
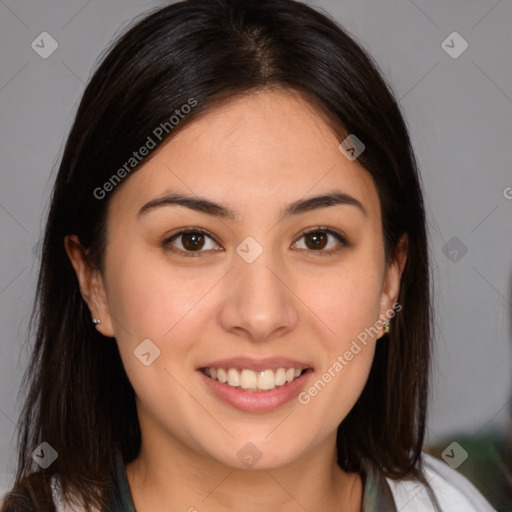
x=203, y=205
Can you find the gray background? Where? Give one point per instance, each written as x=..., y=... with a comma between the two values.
x=459, y=111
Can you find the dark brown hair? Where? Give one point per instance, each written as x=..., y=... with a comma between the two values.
x=78, y=397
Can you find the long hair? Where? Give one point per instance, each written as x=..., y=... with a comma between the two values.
x=78, y=397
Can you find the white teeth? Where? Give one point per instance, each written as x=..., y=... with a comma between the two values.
x=280, y=377
x=221, y=375
x=233, y=378
x=266, y=380
x=249, y=379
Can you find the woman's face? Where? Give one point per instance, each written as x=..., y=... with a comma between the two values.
x=251, y=297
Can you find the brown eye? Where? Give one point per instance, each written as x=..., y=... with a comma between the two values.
x=318, y=239
x=192, y=241
x=189, y=242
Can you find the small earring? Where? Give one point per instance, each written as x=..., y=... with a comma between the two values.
x=385, y=324
x=95, y=321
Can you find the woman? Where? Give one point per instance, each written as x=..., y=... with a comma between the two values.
x=233, y=307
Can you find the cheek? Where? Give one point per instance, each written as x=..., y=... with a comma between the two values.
x=346, y=300
x=332, y=394
x=350, y=309
x=148, y=298
x=148, y=301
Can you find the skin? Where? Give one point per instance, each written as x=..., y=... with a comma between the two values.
x=255, y=154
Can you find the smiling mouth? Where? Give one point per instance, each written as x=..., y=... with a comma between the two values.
x=250, y=380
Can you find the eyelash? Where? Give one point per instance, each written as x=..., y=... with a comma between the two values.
x=166, y=244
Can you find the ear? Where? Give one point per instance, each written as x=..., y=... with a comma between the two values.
x=391, y=287
x=91, y=284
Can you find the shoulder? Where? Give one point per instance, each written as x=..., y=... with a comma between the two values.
x=453, y=491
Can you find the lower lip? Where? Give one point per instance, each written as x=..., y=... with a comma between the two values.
x=257, y=401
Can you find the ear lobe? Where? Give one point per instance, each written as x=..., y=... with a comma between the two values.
x=91, y=285
x=394, y=272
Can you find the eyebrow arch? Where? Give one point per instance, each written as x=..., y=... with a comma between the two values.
x=203, y=205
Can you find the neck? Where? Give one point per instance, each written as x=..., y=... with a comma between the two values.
x=170, y=476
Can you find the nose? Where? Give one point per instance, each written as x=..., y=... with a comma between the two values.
x=260, y=304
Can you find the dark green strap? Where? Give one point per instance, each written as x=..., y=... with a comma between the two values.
x=122, y=499
x=377, y=495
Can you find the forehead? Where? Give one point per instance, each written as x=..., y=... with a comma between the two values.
x=266, y=147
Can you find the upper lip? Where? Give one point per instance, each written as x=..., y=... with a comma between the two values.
x=257, y=365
